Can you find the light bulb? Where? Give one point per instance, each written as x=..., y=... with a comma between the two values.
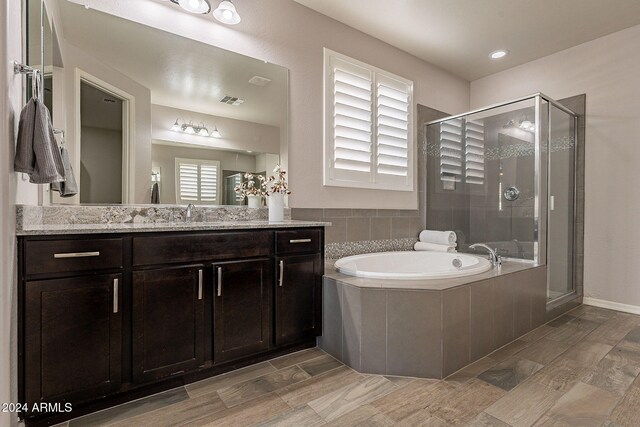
x=497, y=54
x=195, y=6
x=203, y=132
x=215, y=133
x=226, y=13
x=176, y=126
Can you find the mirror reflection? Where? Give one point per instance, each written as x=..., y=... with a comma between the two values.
x=152, y=117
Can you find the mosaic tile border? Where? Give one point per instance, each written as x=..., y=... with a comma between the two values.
x=343, y=249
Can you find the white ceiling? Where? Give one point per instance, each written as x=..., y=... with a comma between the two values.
x=458, y=35
x=180, y=72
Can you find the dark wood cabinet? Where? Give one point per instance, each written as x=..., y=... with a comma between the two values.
x=298, y=302
x=168, y=321
x=72, y=338
x=103, y=318
x=241, y=308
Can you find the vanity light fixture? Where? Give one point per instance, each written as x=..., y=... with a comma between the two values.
x=191, y=129
x=527, y=125
x=215, y=133
x=497, y=54
x=194, y=6
x=226, y=13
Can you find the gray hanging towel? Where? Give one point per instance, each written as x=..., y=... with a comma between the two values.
x=69, y=187
x=37, y=152
x=155, y=194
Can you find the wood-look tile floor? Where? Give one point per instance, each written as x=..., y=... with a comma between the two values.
x=579, y=370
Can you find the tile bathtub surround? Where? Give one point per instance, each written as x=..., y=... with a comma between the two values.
x=565, y=391
x=27, y=216
x=428, y=333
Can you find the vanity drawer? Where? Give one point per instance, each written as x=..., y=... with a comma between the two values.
x=156, y=250
x=62, y=256
x=298, y=241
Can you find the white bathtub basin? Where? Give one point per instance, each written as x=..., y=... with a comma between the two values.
x=411, y=265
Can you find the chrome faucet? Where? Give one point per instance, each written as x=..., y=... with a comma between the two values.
x=187, y=217
x=495, y=259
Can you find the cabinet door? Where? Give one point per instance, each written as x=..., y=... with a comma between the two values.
x=168, y=322
x=72, y=338
x=241, y=308
x=298, y=298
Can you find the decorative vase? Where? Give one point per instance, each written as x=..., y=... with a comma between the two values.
x=254, y=202
x=276, y=207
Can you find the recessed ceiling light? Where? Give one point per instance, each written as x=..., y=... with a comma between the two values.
x=497, y=54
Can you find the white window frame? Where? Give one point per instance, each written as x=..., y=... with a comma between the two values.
x=372, y=179
x=199, y=162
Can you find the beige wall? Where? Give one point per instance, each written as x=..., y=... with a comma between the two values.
x=164, y=156
x=10, y=106
x=101, y=166
x=75, y=58
x=236, y=134
x=288, y=34
x=607, y=70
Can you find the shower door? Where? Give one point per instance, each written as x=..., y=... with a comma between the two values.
x=561, y=152
x=482, y=179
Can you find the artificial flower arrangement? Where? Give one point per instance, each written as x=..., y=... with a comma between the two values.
x=278, y=185
x=249, y=187
x=266, y=186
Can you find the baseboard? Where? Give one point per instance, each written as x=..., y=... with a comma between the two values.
x=627, y=308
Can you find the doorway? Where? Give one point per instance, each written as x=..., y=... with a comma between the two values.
x=101, y=145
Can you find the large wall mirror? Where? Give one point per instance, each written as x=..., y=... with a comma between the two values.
x=141, y=107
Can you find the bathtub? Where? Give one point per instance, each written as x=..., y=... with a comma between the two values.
x=412, y=265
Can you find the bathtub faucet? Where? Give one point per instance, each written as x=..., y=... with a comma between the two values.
x=495, y=259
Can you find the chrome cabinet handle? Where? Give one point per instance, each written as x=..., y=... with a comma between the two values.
x=76, y=254
x=219, y=291
x=200, y=284
x=300, y=241
x=116, y=282
x=281, y=273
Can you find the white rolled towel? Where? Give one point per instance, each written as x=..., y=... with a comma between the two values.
x=434, y=247
x=439, y=237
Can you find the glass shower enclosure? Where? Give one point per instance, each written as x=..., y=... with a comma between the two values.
x=504, y=175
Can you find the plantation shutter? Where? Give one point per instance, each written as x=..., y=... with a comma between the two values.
x=187, y=182
x=209, y=183
x=351, y=89
x=474, y=152
x=392, y=125
x=197, y=181
x=368, y=129
x=451, y=150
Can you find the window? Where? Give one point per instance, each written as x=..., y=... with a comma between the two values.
x=462, y=151
x=197, y=181
x=368, y=126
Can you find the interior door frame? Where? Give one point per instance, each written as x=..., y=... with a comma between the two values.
x=128, y=130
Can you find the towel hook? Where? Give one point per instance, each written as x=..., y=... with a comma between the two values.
x=35, y=84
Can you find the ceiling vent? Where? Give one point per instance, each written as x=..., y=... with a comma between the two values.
x=232, y=100
x=259, y=81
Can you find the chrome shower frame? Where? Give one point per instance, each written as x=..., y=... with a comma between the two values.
x=541, y=183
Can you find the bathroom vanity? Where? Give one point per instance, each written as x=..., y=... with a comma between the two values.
x=109, y=316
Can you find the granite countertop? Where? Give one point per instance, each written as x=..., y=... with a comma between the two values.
x=144, y=227
x=507, y=267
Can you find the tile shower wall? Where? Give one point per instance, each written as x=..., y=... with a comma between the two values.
x=356, y=231
x=476, y=217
